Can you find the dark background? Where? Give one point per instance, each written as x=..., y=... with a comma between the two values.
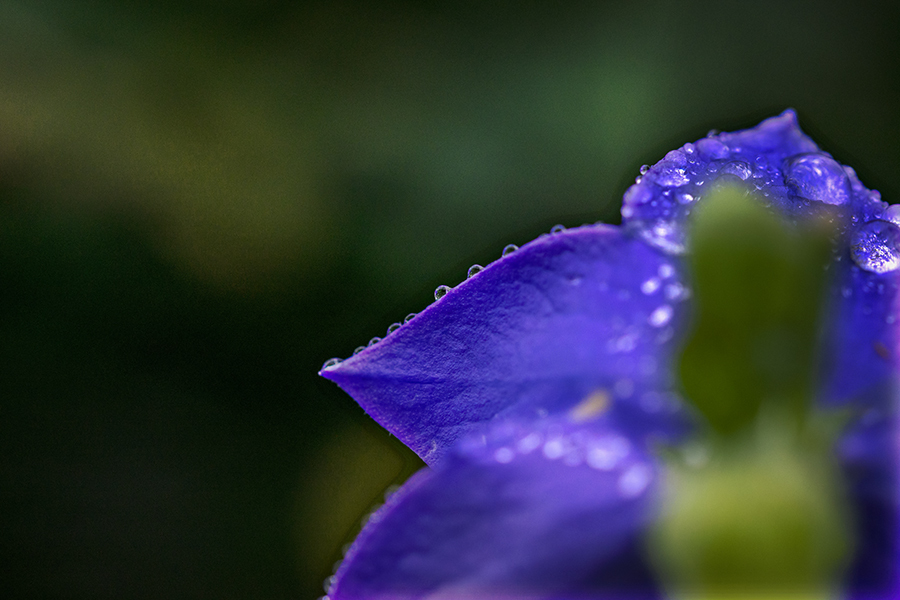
x=201, y=201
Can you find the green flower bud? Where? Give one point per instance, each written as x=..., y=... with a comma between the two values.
x=764, y=518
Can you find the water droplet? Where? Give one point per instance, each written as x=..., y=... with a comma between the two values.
x=390, y=491
x=504, y=455
x=409, y=317
x=393, y=327
x=644, y=169
x=473, y=271
x=876, y=247
x=605, y=453
x=328, y=583
x=892, y=214
x=441, y=291
x=529, y=442
x=666, y=270
x=557, y=229
x=684, y=198
x=668, y=236
x=712, y=148
x=672, y=176
x=634, y=481
x=737, y=168
x=374, y=341
x=817, y=177
x=554, y=449
x=358, y=350
x=660, y=316
x=676, y=291
x=625, y=343
x=650, y=286
x=331, y=362
x=509, y=249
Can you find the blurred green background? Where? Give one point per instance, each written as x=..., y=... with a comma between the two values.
x=201, y=201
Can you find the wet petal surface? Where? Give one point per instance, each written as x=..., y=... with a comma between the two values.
x=775, y=159
x=584, y=311
x=539, y=510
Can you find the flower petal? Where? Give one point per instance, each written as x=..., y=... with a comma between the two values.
x=582, y=312
x=775, y=159
x=862, y=359
x=861, y=371
x=544, y=510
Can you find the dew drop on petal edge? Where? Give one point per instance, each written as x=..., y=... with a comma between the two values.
x=557, y=229
x=393, y=327
x=409, y=317
x=374, y=341
x=331, y=362
x=359, y=349
x=441, y=291
x=818, y=177
x=474, y=270
x=509, y=249
x=876, y=247
x=892, y=214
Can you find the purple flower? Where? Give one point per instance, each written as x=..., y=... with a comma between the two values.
x=536, y=389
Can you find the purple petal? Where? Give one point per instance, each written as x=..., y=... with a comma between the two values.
x=775, y=159
x=862, y=352
x=861, y=370
x=547, y=510
x=584, y=311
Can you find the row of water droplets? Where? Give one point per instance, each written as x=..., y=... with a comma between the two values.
x=659, y=206
x=439, y=293
x=605, y=452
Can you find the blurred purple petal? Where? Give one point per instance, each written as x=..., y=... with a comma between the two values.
x=534, y=333
x=540, y=510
